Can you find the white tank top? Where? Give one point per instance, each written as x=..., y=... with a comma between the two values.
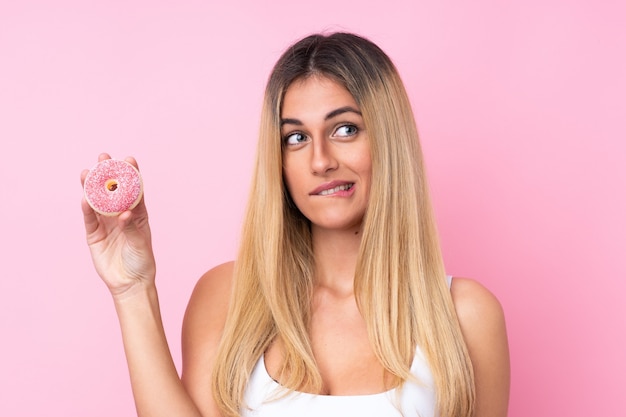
x=264, y=397
x=411, y=400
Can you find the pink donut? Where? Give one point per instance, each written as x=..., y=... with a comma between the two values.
x=112, y=187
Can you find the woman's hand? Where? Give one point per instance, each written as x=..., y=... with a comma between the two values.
x=121, y=246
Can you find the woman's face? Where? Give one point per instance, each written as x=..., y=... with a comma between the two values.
x=326, y=153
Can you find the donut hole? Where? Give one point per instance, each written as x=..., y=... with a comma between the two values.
x=111, y=185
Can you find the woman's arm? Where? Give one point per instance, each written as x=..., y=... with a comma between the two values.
x=121, y=251
x=482, y=323
x=157, y=388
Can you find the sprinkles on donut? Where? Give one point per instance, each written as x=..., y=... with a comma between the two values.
x=113, y=186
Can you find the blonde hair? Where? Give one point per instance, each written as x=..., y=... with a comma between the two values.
x=400, y=284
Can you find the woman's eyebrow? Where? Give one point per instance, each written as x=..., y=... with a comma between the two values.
x=341, y=110
x=290, y=122
x=334, y=113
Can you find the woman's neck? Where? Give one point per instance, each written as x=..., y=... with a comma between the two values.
x=336, y=253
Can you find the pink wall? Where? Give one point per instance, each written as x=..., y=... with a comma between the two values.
x=521, y=110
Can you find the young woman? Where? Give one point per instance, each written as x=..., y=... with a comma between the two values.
x=338, y=303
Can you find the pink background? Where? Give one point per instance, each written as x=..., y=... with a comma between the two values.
x=521, y=109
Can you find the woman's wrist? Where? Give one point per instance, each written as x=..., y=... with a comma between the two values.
x=135, y=293
x=138, y=308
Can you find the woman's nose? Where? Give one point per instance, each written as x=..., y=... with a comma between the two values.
x=322, y=158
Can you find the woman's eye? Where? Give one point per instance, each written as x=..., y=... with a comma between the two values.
x=346, y=130
x=294, y=139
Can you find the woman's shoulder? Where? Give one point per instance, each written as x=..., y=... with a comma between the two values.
x=206, y=312
x=215, y=280
x=471, y=298
x=477, y=308
x=202, y=330
x=210, y=297
x=484, y=330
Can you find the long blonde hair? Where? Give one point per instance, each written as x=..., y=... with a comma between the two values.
x=400, y=283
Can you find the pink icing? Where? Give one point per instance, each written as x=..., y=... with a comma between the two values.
x=126, y=192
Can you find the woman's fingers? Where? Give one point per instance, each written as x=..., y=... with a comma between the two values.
x=89, y=217
x=83, y=175
x=132, y=161
x=103, y=156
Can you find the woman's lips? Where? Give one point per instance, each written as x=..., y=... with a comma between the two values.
x=334, y=187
